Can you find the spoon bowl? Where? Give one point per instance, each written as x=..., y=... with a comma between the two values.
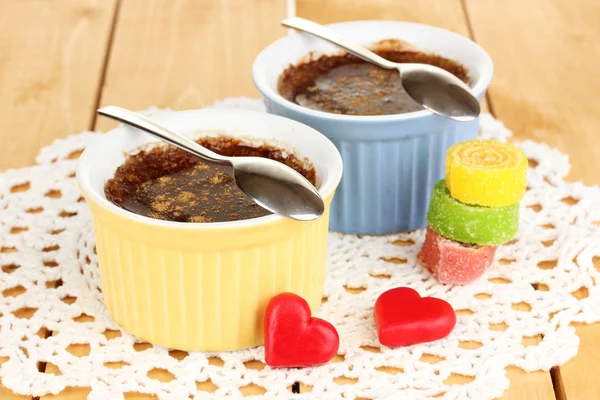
x=452, y=99
x=254, y=176
x=269, y=183
x=434, y=88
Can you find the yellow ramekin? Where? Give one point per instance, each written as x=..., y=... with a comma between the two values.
x=205, y=286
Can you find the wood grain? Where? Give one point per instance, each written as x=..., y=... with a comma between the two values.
x=546, y=75
x=193, y=52
x=528, y=385
x=447, y=14
x=579, y=376
x=544, y=89
x=51, y=58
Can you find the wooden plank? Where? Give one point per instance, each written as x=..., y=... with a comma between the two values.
x=67, y=394
x=545, y=88
x=528, y=386
x=449, y=15
x=579, y=375
x=193, y=52
x=51, y=59
x=545, y=73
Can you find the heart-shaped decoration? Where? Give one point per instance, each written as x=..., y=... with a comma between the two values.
x=404, y=318
x=295, y=339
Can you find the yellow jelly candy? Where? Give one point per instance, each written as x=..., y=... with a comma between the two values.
x=486, y=173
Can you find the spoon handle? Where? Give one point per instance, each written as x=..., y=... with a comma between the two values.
x=139, y=121
x=321, y=31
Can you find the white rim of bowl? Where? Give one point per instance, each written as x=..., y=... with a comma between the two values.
x=485, y=77
x=84, y=164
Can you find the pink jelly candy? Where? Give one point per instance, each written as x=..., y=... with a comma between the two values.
x=454, y=262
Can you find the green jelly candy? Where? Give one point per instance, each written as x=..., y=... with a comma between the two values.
x=485, y=226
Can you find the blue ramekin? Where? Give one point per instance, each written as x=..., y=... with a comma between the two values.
x=391, y=162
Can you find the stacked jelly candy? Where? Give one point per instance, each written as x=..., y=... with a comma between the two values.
x=473, y=210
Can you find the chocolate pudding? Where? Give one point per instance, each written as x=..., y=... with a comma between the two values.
x=345, y=84
x=170, y=184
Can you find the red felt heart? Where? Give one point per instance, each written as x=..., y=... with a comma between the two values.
x=295, y=339
x=404, y=318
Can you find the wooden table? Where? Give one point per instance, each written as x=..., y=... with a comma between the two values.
x=62, y=59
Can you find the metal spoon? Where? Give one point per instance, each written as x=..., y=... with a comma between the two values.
x=271, y=184
x=434, y=88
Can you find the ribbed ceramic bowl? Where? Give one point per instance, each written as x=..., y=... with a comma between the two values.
x=391, y=161
x=205, y=286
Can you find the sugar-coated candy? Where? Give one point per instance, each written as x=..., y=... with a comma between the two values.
x=453, y=262
x=471, y=223
x=486, y=173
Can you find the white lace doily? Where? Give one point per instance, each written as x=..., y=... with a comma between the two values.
x=49, y=281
